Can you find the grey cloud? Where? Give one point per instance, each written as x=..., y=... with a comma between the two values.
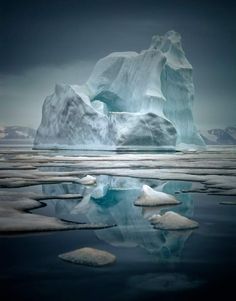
x=43, y=42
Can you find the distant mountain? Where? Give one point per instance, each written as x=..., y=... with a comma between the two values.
x=225, y=136
x=16, y=132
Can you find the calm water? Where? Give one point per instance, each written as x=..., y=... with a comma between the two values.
x=165, y=265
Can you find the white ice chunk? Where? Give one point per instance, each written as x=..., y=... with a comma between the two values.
x=150, y=197
x=89, y=256
x=172, y=221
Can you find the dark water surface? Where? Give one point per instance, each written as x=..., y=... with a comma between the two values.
x=151, y=264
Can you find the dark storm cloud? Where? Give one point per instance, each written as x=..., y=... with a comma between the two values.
x=57, y=32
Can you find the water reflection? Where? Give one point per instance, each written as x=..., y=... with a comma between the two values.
x=111, y=201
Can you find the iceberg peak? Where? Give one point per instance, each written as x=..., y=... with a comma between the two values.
x=164, y=42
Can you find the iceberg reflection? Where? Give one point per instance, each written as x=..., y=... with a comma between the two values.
x=111, y=201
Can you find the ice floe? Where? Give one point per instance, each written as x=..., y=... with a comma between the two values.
x=16, y=178
x=172, y=221
x=89, y=256
x=150, y=197
x=215, y=169
x=15, y=217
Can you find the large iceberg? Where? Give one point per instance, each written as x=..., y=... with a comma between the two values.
x=131, y=99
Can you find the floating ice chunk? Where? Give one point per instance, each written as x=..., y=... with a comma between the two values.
x=89, y=256
x=172, y=221
x=88, y=180
x=150, y=197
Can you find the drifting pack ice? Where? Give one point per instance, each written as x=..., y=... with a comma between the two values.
x=130, y=100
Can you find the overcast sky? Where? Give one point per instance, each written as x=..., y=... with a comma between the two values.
x=45, y=42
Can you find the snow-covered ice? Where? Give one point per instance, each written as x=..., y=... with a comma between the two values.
x=215, y=170
x=150, y=197
x=15, y=217
x=89, y=256
x=172, y=221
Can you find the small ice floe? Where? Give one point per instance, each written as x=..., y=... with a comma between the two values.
x=89, y=256
x=88, y=180
x=172, y=221
x=150, y=197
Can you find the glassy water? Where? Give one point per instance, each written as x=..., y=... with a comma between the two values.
x=165, y=265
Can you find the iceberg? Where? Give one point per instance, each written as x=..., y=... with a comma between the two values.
x=130, y=99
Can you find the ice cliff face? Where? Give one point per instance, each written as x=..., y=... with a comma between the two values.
x=68, y=118
x=130, y=99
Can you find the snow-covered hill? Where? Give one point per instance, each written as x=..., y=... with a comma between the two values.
x=225, y=136
x=16, y=132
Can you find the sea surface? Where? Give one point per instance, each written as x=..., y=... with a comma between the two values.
x=150, y=264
